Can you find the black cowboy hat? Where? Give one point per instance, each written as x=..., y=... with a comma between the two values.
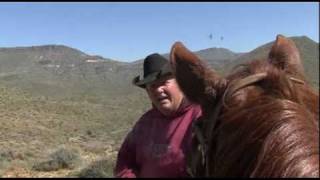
x=154, y=67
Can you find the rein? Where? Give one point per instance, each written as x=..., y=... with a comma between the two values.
x=205, y=136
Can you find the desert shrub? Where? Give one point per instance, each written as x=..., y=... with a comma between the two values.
x=9, y=155
x=98, y=169
x=5, y=156
x=60, y=159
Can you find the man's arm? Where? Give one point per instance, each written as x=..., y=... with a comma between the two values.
x=126, y=166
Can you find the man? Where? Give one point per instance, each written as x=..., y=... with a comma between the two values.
x=158, y=143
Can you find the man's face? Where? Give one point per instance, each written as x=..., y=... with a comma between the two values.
x=165, y=94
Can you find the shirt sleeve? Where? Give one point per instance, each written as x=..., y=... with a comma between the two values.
x=126, y=166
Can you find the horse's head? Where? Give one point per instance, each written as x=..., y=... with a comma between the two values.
x=246, y=112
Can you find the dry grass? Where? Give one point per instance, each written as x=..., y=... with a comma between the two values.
x=33, y=128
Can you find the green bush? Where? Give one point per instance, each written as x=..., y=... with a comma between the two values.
x=60, y=159
x=98, y=169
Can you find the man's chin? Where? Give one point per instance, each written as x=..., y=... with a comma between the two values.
x=165, y=107
x=164, y=102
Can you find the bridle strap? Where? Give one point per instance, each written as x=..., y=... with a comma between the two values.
x=211, y=121
x=296, y=80
x=233, y=87
x=211, y=126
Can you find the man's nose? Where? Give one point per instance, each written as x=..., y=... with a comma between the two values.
x=159, y=89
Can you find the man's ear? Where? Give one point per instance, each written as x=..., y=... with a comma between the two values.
x=285, y=55
x=197, y=81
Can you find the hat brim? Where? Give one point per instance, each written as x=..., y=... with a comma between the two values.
x=166, y=70
x=142, y=83
x=149, y=79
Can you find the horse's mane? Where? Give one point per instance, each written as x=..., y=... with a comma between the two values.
x=268, y=128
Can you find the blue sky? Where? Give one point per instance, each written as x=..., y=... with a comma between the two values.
x=127, y=31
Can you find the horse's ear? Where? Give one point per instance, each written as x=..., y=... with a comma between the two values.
x=285, y=55
x=196, y=80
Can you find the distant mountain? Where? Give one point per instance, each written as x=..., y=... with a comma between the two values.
x=309, y=52
x=223, y=60
x=61, y=71
x=215, y=57
x=217, y=54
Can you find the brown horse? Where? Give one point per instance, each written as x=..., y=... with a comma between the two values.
x=262, y=120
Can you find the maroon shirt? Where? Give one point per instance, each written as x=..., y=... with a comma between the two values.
x=157, y=144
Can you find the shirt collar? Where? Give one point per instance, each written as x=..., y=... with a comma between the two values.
x=185, y=105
